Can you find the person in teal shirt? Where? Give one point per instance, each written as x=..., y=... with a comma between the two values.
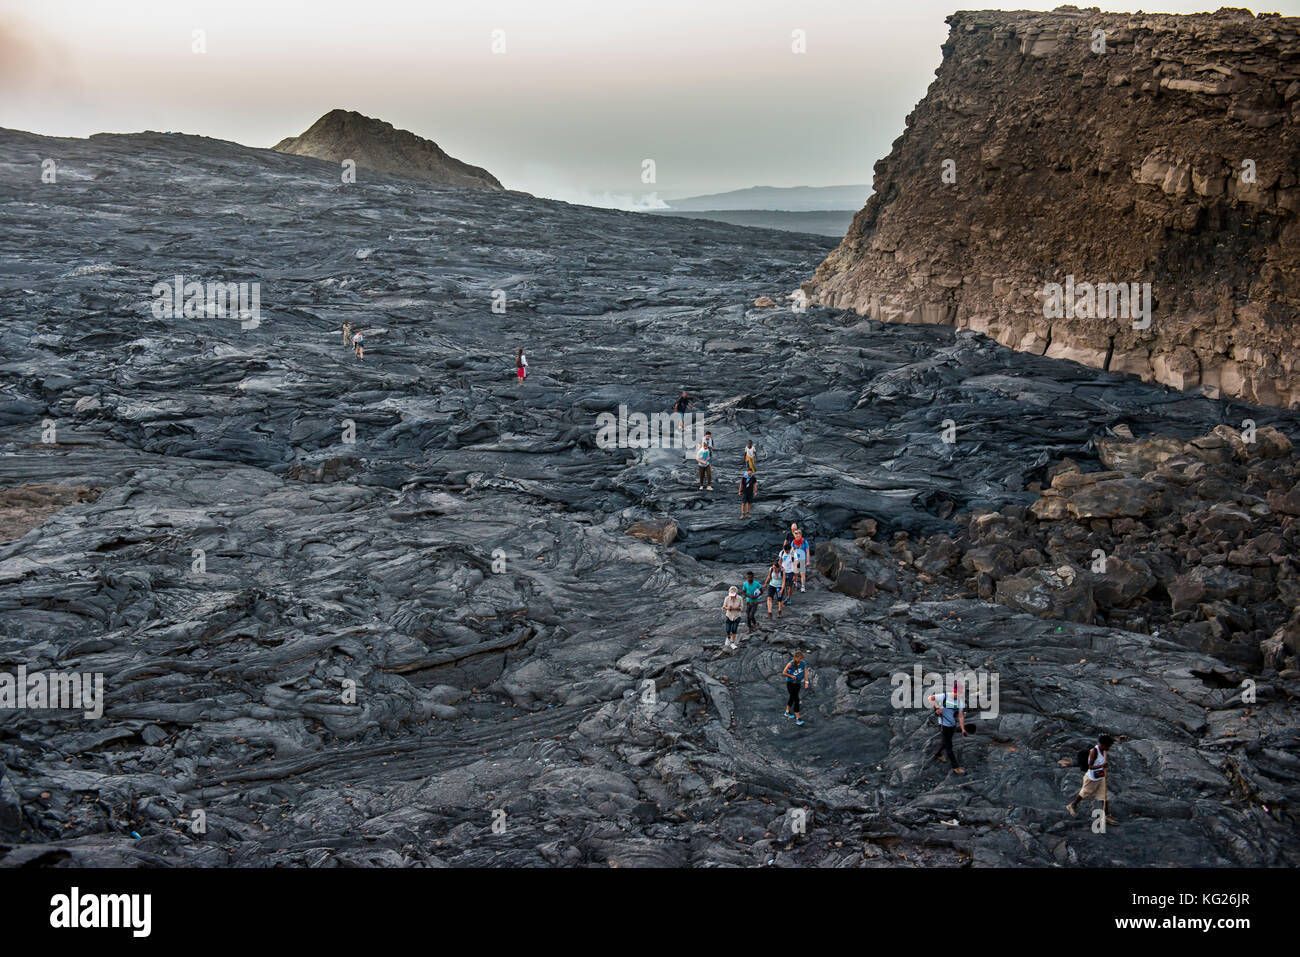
x=796, y=675
x=752, y=591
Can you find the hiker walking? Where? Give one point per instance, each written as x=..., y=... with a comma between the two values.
x=799, y=546
x=752, y=591
x=358, y=344
x=703, y=463
x=748, y=488
x=796, y=675
x=347, y=333
x=521, y=366
x=788, y=568
x=775, y=586
x=732, y=607
x=951, y=714
x=1093, y=762
x=680, y=407
x=751, y=456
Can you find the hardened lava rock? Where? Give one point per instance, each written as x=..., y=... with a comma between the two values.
x=403, y=610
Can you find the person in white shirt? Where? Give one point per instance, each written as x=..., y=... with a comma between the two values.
x=704, y=464
x=1094, y=778
x=733, y=606
x=788, y=566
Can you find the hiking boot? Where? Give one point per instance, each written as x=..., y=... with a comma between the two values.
x=1070, y=808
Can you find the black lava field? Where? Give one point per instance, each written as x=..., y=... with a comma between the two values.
x=387, y=611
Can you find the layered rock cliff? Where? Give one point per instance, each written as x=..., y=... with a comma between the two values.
x=373, y=144
x=1086, y=149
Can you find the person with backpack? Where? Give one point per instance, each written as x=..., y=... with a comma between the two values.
x=521, y=366
x=359, y=344
x=795, y=674
x=788, y=567
x=951, y=716
x=775, y=588
x=347, y=333
x=799, y=546
x=732, y=608
x=752, y=590
x=748, y=488
x=1093, y=762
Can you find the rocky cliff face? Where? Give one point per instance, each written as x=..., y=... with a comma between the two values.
x=373, y=144
x=1090, y=150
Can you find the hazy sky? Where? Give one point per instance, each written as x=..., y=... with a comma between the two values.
x=584, y=92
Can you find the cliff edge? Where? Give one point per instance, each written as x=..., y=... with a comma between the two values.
x=1117, y=189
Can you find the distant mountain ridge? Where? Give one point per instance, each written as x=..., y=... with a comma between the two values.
x=375, y=145
x=831, y=222
x=794, y=199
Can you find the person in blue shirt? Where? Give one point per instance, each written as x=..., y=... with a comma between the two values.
x=796, y=676
x=951, y=714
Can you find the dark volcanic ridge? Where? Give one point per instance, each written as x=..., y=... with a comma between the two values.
x=388, y=611
x=372, y=144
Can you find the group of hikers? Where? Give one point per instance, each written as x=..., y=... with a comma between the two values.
x=948, y=706
x=789, y=567
x=777, y=587
x=355, y=339
x=951, y=713
x=748, y=488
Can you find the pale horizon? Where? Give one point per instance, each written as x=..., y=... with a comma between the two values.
x=715, y=95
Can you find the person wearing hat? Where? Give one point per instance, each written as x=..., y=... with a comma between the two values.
x=733, y=606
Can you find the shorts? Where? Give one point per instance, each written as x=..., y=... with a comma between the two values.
x=1093, y=789
x=733, y=624
x=747, y=497
x=773, y=591
x=799, y=564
